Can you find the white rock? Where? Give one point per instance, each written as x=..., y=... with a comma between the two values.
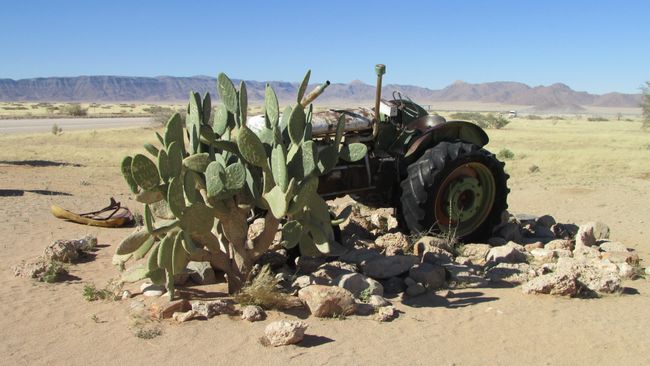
x=386, y=313
x=509, y=253
x=253, y=313
x=126, y=294
x=613, y=246
x=378, y=301
x=284, y=332
x=626, y=271
x=590, y=232
x=151, y=290
x=543, y=255
x=327, y=301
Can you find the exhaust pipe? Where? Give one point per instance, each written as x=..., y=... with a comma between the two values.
x=314, y=94
x=380, y=70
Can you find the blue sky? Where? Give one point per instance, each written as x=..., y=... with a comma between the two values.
x=596, y=46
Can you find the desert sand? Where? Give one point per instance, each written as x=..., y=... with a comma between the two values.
x=52, y=323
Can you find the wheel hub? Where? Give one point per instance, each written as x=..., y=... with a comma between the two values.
x=464, y=197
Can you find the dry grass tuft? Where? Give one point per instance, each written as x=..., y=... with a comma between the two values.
x=263, y=291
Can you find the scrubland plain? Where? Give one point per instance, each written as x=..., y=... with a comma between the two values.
x=570, y=168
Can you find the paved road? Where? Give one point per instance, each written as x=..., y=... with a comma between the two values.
x=13, y=126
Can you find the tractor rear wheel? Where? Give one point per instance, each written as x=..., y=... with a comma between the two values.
x=455, y=188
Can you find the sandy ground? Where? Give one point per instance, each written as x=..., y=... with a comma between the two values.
x=36, y=125
x=52, y=324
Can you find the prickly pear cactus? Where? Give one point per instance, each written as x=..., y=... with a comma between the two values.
x=203, y=181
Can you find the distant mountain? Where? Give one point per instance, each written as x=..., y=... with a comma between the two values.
x=556, y=97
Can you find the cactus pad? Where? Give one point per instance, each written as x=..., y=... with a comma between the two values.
x=145, y=172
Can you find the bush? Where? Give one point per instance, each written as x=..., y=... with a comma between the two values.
x=533, y=117
x=505, y=154
x=645, y=105
x=597, y=119
x=484, y=121
x=74, y=109
x=161, y=116
x=56, y=130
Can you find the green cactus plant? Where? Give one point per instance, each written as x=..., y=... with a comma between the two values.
x=209, y=177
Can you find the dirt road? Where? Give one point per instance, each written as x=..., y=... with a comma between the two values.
x=14, y=126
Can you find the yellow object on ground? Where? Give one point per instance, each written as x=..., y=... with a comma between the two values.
x=111, y=216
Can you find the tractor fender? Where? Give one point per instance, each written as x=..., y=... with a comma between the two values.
x=448, y=131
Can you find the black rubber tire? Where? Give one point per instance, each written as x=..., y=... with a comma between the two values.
x=425, y=176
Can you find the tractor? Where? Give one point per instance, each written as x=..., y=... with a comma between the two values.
x=435, y=173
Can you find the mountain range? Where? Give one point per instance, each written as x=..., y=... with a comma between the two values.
x=557, y=97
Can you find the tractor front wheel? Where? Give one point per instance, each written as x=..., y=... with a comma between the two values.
x=455, y=188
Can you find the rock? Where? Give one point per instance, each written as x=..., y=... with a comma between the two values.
x=385, y=314
x=590, y=275
x=364, y=309
x=513, y=273
x=647, y=271
x=151, y=290
x=559, y=244
x=307, y=265
x=378, y=301
x=62, y=251
x=464, y=261
x=408, y=281
x=425, y=243
x=543, y=255
x=284, y=275
x=383, y=220
x=626, y=271
x=307, y=280
x=590, y=232
x=182, y=317
x=612, y=246
x=496, y=241
x=275, y=259
x=561, y=284
x=467, y=276
x=386, y=267
x=540, y=231
x=360, y=256
x=38, y=268
x=562, y=253
x=511, y=232
x=437, y=256
x=509, y=253
x=126, y=294
x=545, y=220
x=415, y=289
x=253, y=313
x=329, y=272
x=476, y=252
x=430, y=275
x=165, y=309
x=201, y=273
x=393, y=241
x=209, y=309
x=564, y=231
x=327, y=301
x=284, y=332
x=393, y=285
x=357, y=284
x=622, y=257
x=537, y=245
x=585, y=252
